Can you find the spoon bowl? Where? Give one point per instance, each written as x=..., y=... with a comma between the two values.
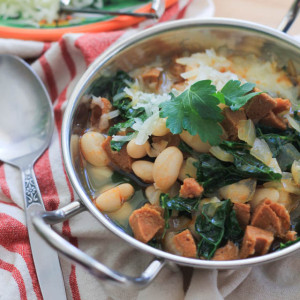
x=26, y=116
x=26, y=128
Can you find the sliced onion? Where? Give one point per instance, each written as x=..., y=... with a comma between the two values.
x=261, y=151
x=246, y=131
x=286, y=184
x=296, y=171
x=188, y=169
x=208, y=200
x=274, y=165
x=239, y=192
x=293, y=123
x=221, y=154
x=290, y=186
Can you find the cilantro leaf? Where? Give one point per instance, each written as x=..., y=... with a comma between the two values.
x=237, y=95
x=117, y=127
x=195, y=110
x=117, y=145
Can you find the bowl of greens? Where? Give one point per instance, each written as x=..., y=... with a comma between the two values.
x=184, y=141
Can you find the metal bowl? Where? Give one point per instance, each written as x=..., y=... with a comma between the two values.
x=164, y=41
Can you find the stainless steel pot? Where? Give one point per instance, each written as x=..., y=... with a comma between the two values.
x=164, y=41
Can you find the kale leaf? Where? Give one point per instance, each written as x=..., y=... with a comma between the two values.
x=113, y=88
x=108, y=86
x=284, y=145
x=213, y=173
x=247, y=165
x=216, y=223
x=178, y=203
x=195, y=110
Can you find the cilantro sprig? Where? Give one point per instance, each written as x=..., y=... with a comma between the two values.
x=196, y=109
x=237, y=95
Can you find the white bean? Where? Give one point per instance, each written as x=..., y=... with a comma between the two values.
x=143, y=169
x=195, y=142
x=160, y=128
x=113, y=199
x=91, y=149
x=99, y=175
x=166, y=168
x=122, y=215
x=136, y=151
x=156, y=148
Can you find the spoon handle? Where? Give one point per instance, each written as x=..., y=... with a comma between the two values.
x=45, y=259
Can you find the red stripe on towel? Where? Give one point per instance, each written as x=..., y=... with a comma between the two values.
x=67, y=57
x=46, y=182
x=46, y=47
x=182, y=12
x=170, y=14
x=17, y=276
x=9, y=203
x=3, y=183
x=14, y=237
x=74, y=284
x=92, y=45
x=49, y=77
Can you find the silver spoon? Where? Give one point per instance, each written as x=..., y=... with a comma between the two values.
x=26, y=127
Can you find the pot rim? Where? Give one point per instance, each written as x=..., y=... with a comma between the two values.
x=78, y=92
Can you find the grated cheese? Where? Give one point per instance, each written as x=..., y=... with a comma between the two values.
x=219, y=69
x=150, y=102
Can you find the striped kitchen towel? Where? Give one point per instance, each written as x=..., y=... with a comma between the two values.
x=60, y=65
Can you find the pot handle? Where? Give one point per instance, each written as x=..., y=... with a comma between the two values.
x=41, y=220
x=290, y=17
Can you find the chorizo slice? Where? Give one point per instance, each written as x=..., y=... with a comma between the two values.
x=190, y=188
x=151, y=75
x=271, y=216
x=256, y=241
x=176, y=69
x=273, y=120
x=231, y=121
x=121, y=159
x=290, y=236
x=259, y=106
x=145, y=222
x=282, y=105
x=185, y=244
x=229, y=252
x=99, y=109
x=242, y=211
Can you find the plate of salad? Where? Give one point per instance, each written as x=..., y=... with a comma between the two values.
x=46, y=21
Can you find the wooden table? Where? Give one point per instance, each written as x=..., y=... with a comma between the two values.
x=266, y=12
